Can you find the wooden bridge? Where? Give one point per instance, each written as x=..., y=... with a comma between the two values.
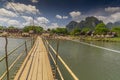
x=36, y=65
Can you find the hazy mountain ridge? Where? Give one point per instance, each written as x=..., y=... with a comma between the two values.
x=89, y=22
x=111, y=25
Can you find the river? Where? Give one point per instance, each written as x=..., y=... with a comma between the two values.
x=90, y=60
x=12, y=44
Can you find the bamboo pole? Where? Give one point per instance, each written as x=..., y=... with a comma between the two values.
x=7, y=67
x=26, y=47
x=56, y=58
x=65, y=65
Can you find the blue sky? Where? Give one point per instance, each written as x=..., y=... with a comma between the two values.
x=56, y=13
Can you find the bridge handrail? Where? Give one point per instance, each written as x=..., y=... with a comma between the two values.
x=18, y=57
x=63, y=62
x=61, y=76
x=11, y=52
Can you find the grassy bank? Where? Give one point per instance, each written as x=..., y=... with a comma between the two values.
x=115, y=39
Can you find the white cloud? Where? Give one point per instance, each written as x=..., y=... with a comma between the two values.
x=58, y=16
x=27, y=18
x=53, y=25
x=115, y=17
x=22, y=8
x=42, y=20
x=13, y=23
x=112, y=18
x=112, y=9
x=65, y=17
x=7, y=13
x=75, y=14
x=3, y=19
x=35, y=1
x=61, y=17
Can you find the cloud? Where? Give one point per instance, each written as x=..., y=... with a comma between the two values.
x=27, y=18
x=22, y=8
x=39, y=21
x=112, y=18
x=7, y=13
x=3, y=19
x=42, y=20
x=35, y=1
x=13, y=23
x=75, y=14
x=112, y=9
x=61, y=17
x=53, y=25
x=65, y=17
x=58, y=16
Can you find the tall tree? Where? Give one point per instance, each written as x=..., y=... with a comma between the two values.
x=101, y=29
x=36, y=29
x=75, y=32
x=117, y=30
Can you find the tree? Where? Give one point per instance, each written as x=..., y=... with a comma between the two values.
x=117, y=30
x=60, y=31
x=11, y=27
x=36, y=29
x=101, y=29
x=1, y=27
x=75, y=32
x=85, y=30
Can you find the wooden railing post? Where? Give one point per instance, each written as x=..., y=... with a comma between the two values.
x=56, y=58
x=31, y=42
x=6, y=57
x=26, y=47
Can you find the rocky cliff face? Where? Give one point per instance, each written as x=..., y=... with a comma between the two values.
x=89, y=22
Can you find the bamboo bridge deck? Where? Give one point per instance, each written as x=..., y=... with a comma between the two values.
x=36, y=66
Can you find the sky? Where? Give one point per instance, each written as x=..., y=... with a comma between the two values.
x=56, y=13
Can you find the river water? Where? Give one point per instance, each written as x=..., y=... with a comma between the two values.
x=90, y=60
x=12, y=44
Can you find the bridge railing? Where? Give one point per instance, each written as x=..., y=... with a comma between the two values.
x=57, y=58
x=14, y=59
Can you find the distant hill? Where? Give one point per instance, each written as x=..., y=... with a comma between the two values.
x=71, y=25
x=110, y=25
x=89, y=22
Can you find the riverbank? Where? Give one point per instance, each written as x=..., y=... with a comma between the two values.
x=115, y=39
x=88, y=38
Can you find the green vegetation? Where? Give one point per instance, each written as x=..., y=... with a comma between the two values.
x=101, y=29
x=1, y=27
x=75, y=32
x=35, y=29
x=11, y=27
x=85, y=30
x=117, y=30
x=60, y=31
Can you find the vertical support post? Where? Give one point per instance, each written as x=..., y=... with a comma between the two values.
x=56, y=58
x=6, y=57
x=26, y=47
x=31, y=42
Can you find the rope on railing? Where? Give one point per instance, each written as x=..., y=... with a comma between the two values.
x=62, y=61
x=11, y=52
x=61, y=76
x=11, y=65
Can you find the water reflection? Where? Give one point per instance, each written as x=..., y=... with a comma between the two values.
x=91, y=63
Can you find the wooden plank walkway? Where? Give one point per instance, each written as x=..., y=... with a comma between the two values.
x=36, y=66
